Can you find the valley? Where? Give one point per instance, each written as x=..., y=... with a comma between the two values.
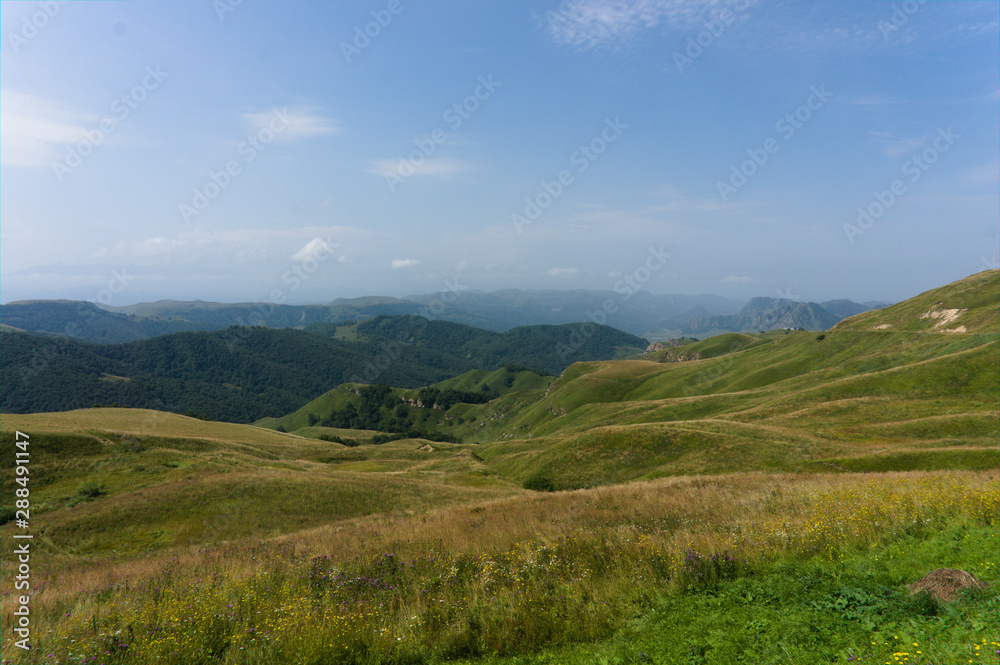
x=611, y=512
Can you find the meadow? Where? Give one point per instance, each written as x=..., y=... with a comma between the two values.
x=756, y=498
x=555, y=577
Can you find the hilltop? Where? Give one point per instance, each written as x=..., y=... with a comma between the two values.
x=966, y=306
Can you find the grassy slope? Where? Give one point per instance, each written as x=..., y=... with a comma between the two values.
x=857, y=398
x=977, y=294
x=471, y=381
x=166, y=479
x=789, y=405
x=522, y=574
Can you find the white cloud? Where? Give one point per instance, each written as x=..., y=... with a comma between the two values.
x=739, y=279
x=562, y=272
x=34, y=130
x=290, y=123
x=590, y=23
x=404, y=263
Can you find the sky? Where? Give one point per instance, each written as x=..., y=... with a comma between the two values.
x=296, y=152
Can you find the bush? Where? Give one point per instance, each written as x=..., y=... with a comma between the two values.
x=333, y=438
x=539, y=483
x=820, y=338
x=89, y=490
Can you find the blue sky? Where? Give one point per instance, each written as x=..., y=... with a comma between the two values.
x=241, y=150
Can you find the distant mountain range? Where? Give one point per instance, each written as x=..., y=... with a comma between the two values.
x=654, y=317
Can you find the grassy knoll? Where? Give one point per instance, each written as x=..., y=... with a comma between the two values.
x=524, y=575
x=130, y=481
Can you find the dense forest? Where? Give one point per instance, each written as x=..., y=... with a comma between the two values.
x=550, y=348
x=242, y=374
x=379, y=409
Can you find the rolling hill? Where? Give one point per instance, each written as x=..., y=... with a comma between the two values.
x=244, y=374
x=861, y=396
x=768, y=482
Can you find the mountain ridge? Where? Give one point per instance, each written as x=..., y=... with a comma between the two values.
x=656, y=317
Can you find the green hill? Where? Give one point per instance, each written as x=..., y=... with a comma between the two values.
x=791, y=484
x=433, y=411
x=243, y=374
x=966, y=306
x=848, y=398
x=851, y=400
x=550, y=348
x=238, y=374
x=86, y=321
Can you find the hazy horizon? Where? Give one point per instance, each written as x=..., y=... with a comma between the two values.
x=230, y=151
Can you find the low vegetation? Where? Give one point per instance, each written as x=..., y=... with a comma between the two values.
x=762, y=498
x=560, y=571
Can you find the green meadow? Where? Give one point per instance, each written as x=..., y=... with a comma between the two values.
x=749, y=498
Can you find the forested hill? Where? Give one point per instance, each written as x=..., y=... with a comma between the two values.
x=550, y=348
x=243, y=374
x=86, y=321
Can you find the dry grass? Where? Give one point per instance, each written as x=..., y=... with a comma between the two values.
x=944, y=584
x=506, y=575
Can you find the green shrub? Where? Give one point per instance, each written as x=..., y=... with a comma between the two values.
x=539, y=483
x=89, y=490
